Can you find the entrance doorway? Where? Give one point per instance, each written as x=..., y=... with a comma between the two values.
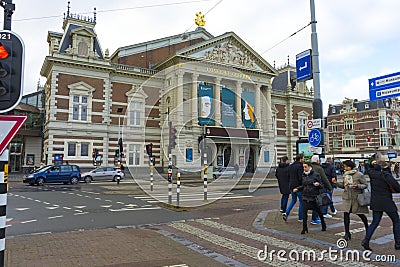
x=250, y=161
x=227, y=157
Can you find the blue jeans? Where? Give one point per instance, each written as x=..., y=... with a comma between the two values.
x=325, y=208
x=376, y=219
x=284, y=201
x=294, y=200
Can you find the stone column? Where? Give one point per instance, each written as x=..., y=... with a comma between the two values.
x=217, y=101
x=257, y=105
x=195, y=100
x=179, y=95
x=238, y=93
x=268, y=110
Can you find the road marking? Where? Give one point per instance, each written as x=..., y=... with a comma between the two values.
x=28, y=221
x=107, y=200
x=131, y=205
x=134, y=209
x=230, y=244
x=79, y=207
x=276, y=242
x=97, y=198
x=122, y=203
x=47, y=203
x=81, y=213
x=54, y=217
x=353, y=231
x=67, y=208
x=22, y=209
x=52, y=208
x=105, y=206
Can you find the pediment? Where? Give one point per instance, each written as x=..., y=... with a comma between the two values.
x=82, y=31
x=81, y=88
x=136, y=92
x=229, y=50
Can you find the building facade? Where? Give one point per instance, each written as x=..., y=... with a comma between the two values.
x=204, y=86
x=360, y=128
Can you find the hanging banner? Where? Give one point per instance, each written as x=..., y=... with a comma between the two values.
x=248, y=112
x=206, y=109
x=228, y=112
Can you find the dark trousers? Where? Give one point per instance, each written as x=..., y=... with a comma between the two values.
x=376, y=219
x=312, y=205
x=284, y=201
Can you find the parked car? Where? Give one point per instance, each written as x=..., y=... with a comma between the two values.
x=54, y=174
x=103, y=173
x=224, y=172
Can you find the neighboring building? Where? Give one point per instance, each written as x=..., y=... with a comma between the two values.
x=360, y=128
x=248, y=117
x=26, y=148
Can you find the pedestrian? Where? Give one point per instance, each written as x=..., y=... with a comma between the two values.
x=236, y=167
x=382, y=186
x=282, y=174
x=396, y=169
x=353, y=184
x=315, y=162
x=295, y=179
x=311, y=186
x=330, y=173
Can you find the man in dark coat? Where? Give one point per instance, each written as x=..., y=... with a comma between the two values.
x=282, y=174
x=330, y=173
x=382, y=200
x=295, y=179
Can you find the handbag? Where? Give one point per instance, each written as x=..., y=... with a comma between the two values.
x=323, y=199
x=364, y=198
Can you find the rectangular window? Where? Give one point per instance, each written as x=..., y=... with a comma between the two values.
x=349, y=124
x=384, y=139
x=335, y=127
x=382, y=119
x=302, y=127
x=349, y=141
x=79, y=108
x=134, y=155
x=134, y=113
x=84, y=149
x=335, y=142
x=71, y=149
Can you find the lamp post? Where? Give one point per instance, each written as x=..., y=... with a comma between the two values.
x=119, y=111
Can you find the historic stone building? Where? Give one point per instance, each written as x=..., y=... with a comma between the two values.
x=217, y=86
x=360, y=128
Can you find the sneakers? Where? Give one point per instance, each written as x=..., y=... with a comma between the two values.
x=284, y=217
x=334, y=213
x=327, y=216
x=315, y=221
x=299, y=220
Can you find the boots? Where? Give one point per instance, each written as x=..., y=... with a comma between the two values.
x=323, y=226
x=305, y=230
x=347, y=236
x=365, y=244
x=397, y=244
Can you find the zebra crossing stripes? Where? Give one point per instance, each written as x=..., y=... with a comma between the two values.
x=230, y=244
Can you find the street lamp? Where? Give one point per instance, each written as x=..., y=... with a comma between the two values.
x=119, y=111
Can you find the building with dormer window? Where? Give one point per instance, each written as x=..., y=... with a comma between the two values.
x=218, y=87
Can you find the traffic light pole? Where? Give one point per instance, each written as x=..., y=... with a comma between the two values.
x=9, y=9
x=3, y=201
x=205, y=166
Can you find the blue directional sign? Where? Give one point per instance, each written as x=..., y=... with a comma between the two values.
x=303, y=65
x=314, y=137
x=386, y=86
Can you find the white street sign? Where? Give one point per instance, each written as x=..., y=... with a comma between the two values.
x=314, y=149
x=314, y=124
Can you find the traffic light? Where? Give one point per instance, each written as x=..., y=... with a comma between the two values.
x=172, y=138
x=117, y=153
x=149, y=149
x=11, y=70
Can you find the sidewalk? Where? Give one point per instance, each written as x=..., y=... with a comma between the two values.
x=102, y=247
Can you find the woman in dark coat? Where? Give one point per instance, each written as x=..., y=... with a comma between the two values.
x=311, y=186
x=382, y=200
x=353, y=184
x=282, y=174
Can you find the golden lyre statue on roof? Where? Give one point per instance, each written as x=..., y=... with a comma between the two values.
x=199, y=20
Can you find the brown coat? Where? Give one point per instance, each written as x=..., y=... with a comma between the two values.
x=350, y=194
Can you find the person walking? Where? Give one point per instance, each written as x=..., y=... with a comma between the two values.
x=382, y=186
x=396, y=169
x=353, y=184
x=311, y=186
x=315, y=163
x=282, y=174
x=295, y=178
x=330, y=173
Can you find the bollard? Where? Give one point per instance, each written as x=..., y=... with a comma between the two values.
x=178, y=188
x=205, y=176
x=170, y=180
x=3, y=202
x=151, y=175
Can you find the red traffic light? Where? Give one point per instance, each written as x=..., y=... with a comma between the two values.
x=3, y=52
x=173, y=131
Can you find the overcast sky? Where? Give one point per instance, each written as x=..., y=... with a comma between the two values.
x=358, y=39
